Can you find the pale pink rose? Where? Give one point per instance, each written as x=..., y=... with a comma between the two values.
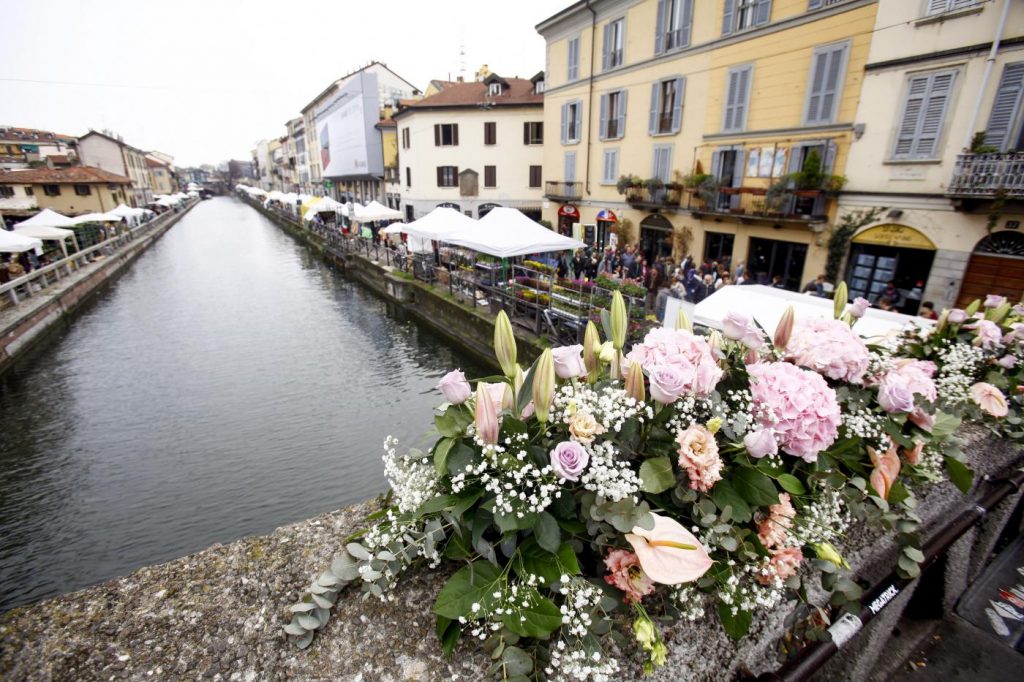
x=698, y=457
x=859, y=307
x=989, y=335
x=454, y=387
x=918, y=376
x=828, y=347
x=627, y=575
x=784, y=563
x=923, y=420
x=797, y=405
x=1018, y=309
x=1008, y=362
x=569, y=361
x=670, y=382
x=706, y=377
x=994, y=301
x=584, y=428
x=990, y=399
x=957, y=316
x=668, y=553
x=735, y=325
x=569, y=459
x=773, y=529
x=894, y=395
x=681, y=348
x=761, y=443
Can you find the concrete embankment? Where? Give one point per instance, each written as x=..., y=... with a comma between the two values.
x=25, y=327
x=218, y=614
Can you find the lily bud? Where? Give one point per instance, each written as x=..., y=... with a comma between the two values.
x=486, y=415
x=942, y=321
x=784, y=329
x=635, y=382
x=683, y=322
x=999, y=314
x=591, y=348
x=715, y=343
x=606, y=352
x=505, y=344
x=827, y=552
x=839, y=299
x=544, y=385
x=973, y=307
x=618, y=320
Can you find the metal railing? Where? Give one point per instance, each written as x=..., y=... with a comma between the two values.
x=565, y=191
x=795, y=205
x=664, y=198
x=988, y=175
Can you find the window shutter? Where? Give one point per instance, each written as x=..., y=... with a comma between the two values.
x=762, y=12
x=829, y=162
x=677, y=107
x=739, y=113
x=911, y=113
x=603, y=130
x=730, y=100
x=606, y=47
x=814, y=4
x=652, y=124
x=795, y=158
x=565, y=123
x=932, y=115
x=437, y=135
x=1006, y=107
x=440, y=176
x=737, y=172
x=455, y=134
x=570, y=167
x=659, y=35
x=621, y=118
x=686, y=23
x=526, y=133
x=824, y=85
x=716, y=164
x=937, y=6
x=727, y=17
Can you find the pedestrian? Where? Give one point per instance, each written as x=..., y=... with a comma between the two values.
x=777, y=282
x=928, y=311
x=885, y=303
x=15, y=269
x=652, y=282
x=591, y=269
x=740, y=271
x=816, y=287
x=579, y=264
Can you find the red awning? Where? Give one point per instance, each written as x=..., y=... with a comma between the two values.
x=607, y=215
x=569, y=210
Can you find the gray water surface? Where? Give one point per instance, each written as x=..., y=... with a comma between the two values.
x=228, y=383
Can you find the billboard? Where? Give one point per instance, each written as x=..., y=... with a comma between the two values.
x=348, y=142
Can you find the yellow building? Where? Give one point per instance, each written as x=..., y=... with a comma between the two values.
x=718, y=128
x=71, y=191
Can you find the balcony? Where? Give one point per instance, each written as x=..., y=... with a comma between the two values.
x=563, y=191
x=645, y=199
x=988, y=176
x=757, y=204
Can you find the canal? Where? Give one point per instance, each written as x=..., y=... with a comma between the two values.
x=228, y=383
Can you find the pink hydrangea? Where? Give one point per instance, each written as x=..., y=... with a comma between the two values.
x=797, y=405
x=626, y=574
x=828, y=347
x=680, y=348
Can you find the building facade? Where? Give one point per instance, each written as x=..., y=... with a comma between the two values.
x=112, y=154
x=719, y=129
x=940, y=155
x=161, y=174
x=473, y=146
x=297, y=155
x=25, y=147
x=71, y=191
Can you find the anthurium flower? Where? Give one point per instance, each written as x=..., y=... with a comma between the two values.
x=668, y=553
x=887, y=468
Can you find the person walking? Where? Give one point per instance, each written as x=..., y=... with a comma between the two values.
x=652, y=282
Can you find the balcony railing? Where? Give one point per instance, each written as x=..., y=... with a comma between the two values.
x=754, y=203
x=653, y=199
x=988, y=175
x=563, y=191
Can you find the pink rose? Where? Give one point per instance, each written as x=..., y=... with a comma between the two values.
x=859, y=307
x=627, y=575
x=1018, y=309
x=569, y=459
x=994, y=301
x=918, y=375
x=989, y=335
x=761, y=443
x=957, y=316
x=894, y=395
x=739, y=327
x=990, y=399
x=454, y=387
x=706, y=378
x=669, y=383
x=569, y=361
x=698, y=457
x=1008, y=361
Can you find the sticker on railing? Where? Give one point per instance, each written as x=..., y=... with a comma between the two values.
x=844, y=629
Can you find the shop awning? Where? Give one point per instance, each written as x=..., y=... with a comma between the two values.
x=506, y=232
x=606, y=215
x=110, y=217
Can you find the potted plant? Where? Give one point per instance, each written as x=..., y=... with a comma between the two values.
x=707, y=190
x=629, y=185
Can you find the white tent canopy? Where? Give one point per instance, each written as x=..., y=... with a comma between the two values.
x=506, y=232
x=11, y=242
x=47, y=218
x=440, y=223
x=43, y=231
x=321, y=205
x=110, y=217
x=374, y=211
x=767, y=304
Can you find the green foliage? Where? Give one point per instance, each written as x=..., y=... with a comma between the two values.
x=842, y=233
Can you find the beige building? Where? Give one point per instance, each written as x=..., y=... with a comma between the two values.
x=474, y=146
x=71, y=191
x=161, y=174
x=112, y=154
x=953, y=202
x=392, y=183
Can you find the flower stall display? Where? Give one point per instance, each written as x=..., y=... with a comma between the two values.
x=604, y=490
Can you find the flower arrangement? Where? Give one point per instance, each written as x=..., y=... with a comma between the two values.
x=690, y=477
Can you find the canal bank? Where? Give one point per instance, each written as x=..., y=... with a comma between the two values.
x=469, y=327
x=27, y=326
x=218, y=614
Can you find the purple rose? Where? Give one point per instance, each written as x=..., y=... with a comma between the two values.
x=455, y=388
x=569, y=361
x=859, y=307
x=669, y=382
x=994, y=301
x=761, y=443
x=894, y=395
x=569, y=459
x=957, y=316
x=1008, y=361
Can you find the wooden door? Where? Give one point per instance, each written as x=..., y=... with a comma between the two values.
x=992, y=274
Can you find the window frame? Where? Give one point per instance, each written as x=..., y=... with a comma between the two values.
x=620, y=96
x=51, y=190
x=82, y=190
x=569, y=177
x=950, y=7
x=658, y=105
x=529, y=139
x=568, y=139
x=442, y=176
x=540, y=176
x=490, y=133
x=664, y=30
x=731, y=15
x=844, y=61
x=654, y=161
x=612, y=59
x=6, y=191
x=572, y=60
x=405, y=137
x=408, y=176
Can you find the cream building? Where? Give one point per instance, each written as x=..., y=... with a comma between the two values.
x=474, y=146
x=112, y=154
x=952, y=216
x=70, y=191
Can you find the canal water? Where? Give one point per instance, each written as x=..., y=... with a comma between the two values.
x=228, y=383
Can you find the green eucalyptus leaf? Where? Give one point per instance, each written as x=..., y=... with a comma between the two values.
x=538, y=620
x=656, y=475
x=735, y=625
x=516, y=662
x=441, y=450
x=959, y=474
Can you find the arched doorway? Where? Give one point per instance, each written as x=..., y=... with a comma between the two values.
x=996, y=267
x=656, y=233
x=484, y=209
x=890, y=253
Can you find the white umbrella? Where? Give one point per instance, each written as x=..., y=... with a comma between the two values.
x=506, y=232
x=47, y=218
x=11, y=242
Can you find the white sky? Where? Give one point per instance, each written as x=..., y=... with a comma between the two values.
x=204, y=80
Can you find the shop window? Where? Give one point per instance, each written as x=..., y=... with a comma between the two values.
x=769, y=259
x=718, y=245
x=656, y=236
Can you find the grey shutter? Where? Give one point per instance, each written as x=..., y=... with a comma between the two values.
x=727, y=16
x=455, y=134
x=652, y=123
x=602, y=131
x=933, y=115
x=818, y=68
x=814, y=4
x=606, y=46
x=677, y=106
x=762, y=12
x=742, y=99
x=937, y=6
x=795, y=158
x=570, y=167
x=659, y=35
x=824, y=86
x=829, y=162
x=716, y=165
x=912, y=107
x=526, y=133
x=730, y=100
x=565, y=122
x=437, y=135
x=1006, y=107
x=686, y=23
x=621, y=118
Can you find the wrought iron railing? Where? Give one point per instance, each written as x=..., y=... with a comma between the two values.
x=988, y=175
x=565, y=191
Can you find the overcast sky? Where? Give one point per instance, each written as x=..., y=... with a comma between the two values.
x=204, y=80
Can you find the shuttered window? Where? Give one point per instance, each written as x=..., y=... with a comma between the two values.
x=490, y=176
x=737, y=98
x=613, y=50
x=447, y=176
x=818, y=4
x=826, y=80
x=571, y=122
x=1004, y=123
x=924, y=112
x=535, y=176
x=446, y=134
x=533, y=132
x=610, y=167
x=490, y=132
x=569, y=173
x=674, y=23
x=408, y=177
x=740, y=15
x=942, y=6
x=666, y=114
x=573, y=59
x=662, y=166
x=613, y=115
